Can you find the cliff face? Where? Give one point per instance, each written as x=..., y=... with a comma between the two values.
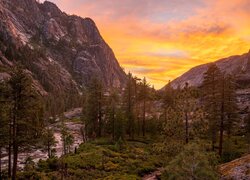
x=239, y=66
x=61, y=52
x=235, y=65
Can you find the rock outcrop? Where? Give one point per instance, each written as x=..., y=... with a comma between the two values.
x=62, y=52
x=236, y=169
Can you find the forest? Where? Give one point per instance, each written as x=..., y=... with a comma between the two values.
x=128, y=132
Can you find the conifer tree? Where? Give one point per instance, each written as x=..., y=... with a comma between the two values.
x=168, y=100
x=112, y=110
x=129, y=105
x=144, y=96
x=211, y=96
x=67, y=139
x=173, y=132
x=231, y=108
x=26, y=113
x=4, y=119
x=48, y=140
x=247, y=129
x=220, y=103
x=93, y=111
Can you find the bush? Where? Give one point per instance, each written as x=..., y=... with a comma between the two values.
x=51, y=164
x=233, y=148
x=192, y=163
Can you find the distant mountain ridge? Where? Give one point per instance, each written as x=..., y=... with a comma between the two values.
x=239, y=66
x=61, y=52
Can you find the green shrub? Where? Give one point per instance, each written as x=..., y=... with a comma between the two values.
x=192, y=163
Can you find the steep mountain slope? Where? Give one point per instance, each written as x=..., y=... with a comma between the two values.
x=236, y=65
x=61, y=52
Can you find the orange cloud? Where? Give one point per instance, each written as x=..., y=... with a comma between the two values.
x=162, y=39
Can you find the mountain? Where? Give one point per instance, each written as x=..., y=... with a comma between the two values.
x=236, y=65
x=60, y=52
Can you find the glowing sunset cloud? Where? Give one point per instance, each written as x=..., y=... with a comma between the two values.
x=161, y=39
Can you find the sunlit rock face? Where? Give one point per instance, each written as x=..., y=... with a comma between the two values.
x=70, y=49
x=239, y=66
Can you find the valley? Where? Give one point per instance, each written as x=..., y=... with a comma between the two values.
x=68, y=110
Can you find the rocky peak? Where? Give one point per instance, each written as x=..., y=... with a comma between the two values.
x=238, y=65
x=50, y=7
x=66, y=50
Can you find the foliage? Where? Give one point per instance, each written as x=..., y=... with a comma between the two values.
x=234, y=148
x=173, y=132
x=101, y=159
x=93, y=109
x=48, y=141
x=67, y=139
x=191, y=163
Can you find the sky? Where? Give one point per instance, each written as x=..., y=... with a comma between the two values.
x=162, y=39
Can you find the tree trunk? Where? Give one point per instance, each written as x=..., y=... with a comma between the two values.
x=186, y=127
x=113, y=122
x=0, y=162
x=15, y=157
x=165, y=115
x=221, y=135
x=48, y=148
x=222, y=118
x=9, y=151
x=144, y=117
x=100, y=115
x=214, y=137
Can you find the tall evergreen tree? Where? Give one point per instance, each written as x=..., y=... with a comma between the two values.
x=173, y=132
x=4, y=119
x=112, y=110
x=48, y=140
x=67, y=139
x=211, y=97
x=231, y=108
x=220, y=103
x=187, y=104
x=144, y=96
x=168, y=100
x=247, y=129
x=93, y=109
x=26, y=115
x=129, y=105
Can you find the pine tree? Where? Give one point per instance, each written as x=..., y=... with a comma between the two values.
x=26, y=113
x=93, y=111
x=119, y=130
x=186, y=102
x=220, y=103
x=211, y=95
x=67, y=139
x=111, y=111
x=4, y=119
x=136, y=102
x=173, y=132
x=144, y=96
x=231, y=108
x=168, y=100
x=247, y=129
x=48, y=141
x=129, y=105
